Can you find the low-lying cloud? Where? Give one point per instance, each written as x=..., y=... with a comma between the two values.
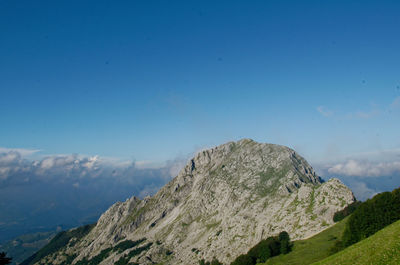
x=70, y=190
x=372, y=173
x=365, y=168
x=15, y=169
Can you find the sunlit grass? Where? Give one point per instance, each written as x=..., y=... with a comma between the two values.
x=313, y=249
x=382, y=248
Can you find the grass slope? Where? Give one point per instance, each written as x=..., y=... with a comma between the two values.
x=313, y=249
x=382, y=248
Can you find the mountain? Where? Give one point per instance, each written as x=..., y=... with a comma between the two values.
x=225, y=200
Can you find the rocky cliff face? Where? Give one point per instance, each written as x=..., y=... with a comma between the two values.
x=224, y=201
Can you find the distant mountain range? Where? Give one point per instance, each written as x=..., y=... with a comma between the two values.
x=24, y=246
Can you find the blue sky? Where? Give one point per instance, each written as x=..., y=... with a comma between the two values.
x=155, y=80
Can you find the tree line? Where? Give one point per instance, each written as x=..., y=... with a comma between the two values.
x=368, y=217
x=265, y=249
x=371, y=216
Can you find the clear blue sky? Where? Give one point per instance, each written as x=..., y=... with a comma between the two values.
x=152, y=80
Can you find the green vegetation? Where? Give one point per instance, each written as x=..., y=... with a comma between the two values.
x=68, y=259
x=310, y=207
x=213, y=262
x=135, y=214
x=120, y=247
x=313, y=249
x=58, y=242
x=349, y=209
x=382, y=248
x=96, y=259
x=124, y=260
x=284, y=239
x=265, y=249
x=273, y=175
x=371, y=216
x=127, y=244
x=366, y=219
x=212, y=225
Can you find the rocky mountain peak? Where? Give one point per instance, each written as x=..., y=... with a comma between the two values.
x=225, y=200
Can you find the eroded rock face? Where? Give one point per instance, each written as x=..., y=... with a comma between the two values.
x=224, y=201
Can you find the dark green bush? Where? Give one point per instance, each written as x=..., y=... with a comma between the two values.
x=124, y=245
x=243, y=260
x=272, y=246
x=349, y=209
x=284, y=240
x=125, y=259
x=213, y=262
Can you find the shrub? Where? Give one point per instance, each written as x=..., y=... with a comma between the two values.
x=243, y=260
x=284, y=240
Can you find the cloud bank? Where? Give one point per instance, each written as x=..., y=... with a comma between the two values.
x=365, y=168
x=367, y=176
x=15, y=169
x=70, y=190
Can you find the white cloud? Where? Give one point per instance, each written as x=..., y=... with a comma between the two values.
x=91, y=163
x=176, y=167
x=47, y=163
x=324, y=112
x=9, y=157
x=4, y=171
x=365, y=168
x=21, y=151
x=148, y=164
x=77, y=170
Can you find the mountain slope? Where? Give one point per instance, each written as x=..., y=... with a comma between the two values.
x=313, y=249
x=382, y=248
x=224, y=201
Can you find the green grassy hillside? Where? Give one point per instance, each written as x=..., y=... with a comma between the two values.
x=382, y=248
x=313, y=249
